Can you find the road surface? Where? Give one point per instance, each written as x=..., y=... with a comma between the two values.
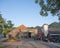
x=29, y=44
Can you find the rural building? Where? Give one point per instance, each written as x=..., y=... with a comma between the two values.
x=23, y=30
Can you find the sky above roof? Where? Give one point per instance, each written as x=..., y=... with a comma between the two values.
x=24, y=12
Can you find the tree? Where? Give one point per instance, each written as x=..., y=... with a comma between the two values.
x=9, y=22
x=10, y=25
x=59, y=18
x=5, y=26
x=52, y=6
x=54, y=25
x=1, y=19
x=1, y=23
x=38, y=27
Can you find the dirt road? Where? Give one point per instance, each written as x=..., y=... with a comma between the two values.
x=28, y=44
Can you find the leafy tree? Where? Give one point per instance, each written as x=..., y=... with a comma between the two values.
x=1, y=19
x=10, y=25
x=38, y=27
x=52, y=6
x=30, y=27
x=54, y=25
x=5, y=27
x=1, y=29
x=1, y=23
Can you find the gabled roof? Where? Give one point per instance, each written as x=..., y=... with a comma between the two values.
x=22, y=27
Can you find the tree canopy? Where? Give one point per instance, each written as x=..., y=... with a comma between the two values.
x=49, y=5
x=52, y=6
x=5, y=26
x=54, y=25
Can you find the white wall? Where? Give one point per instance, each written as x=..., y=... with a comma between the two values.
x=45, y=29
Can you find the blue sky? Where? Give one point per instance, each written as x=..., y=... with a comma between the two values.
x=24, y=12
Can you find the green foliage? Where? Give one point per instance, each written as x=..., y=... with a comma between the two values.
x=54, y=25
x=30, y=27
x=10, y=25
x=5, y=26
x=52, y=6
x=38, y=27
x=49, y=5
x=1, y=23
x=36, y=1
x=1, y=19
x=1, y=29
